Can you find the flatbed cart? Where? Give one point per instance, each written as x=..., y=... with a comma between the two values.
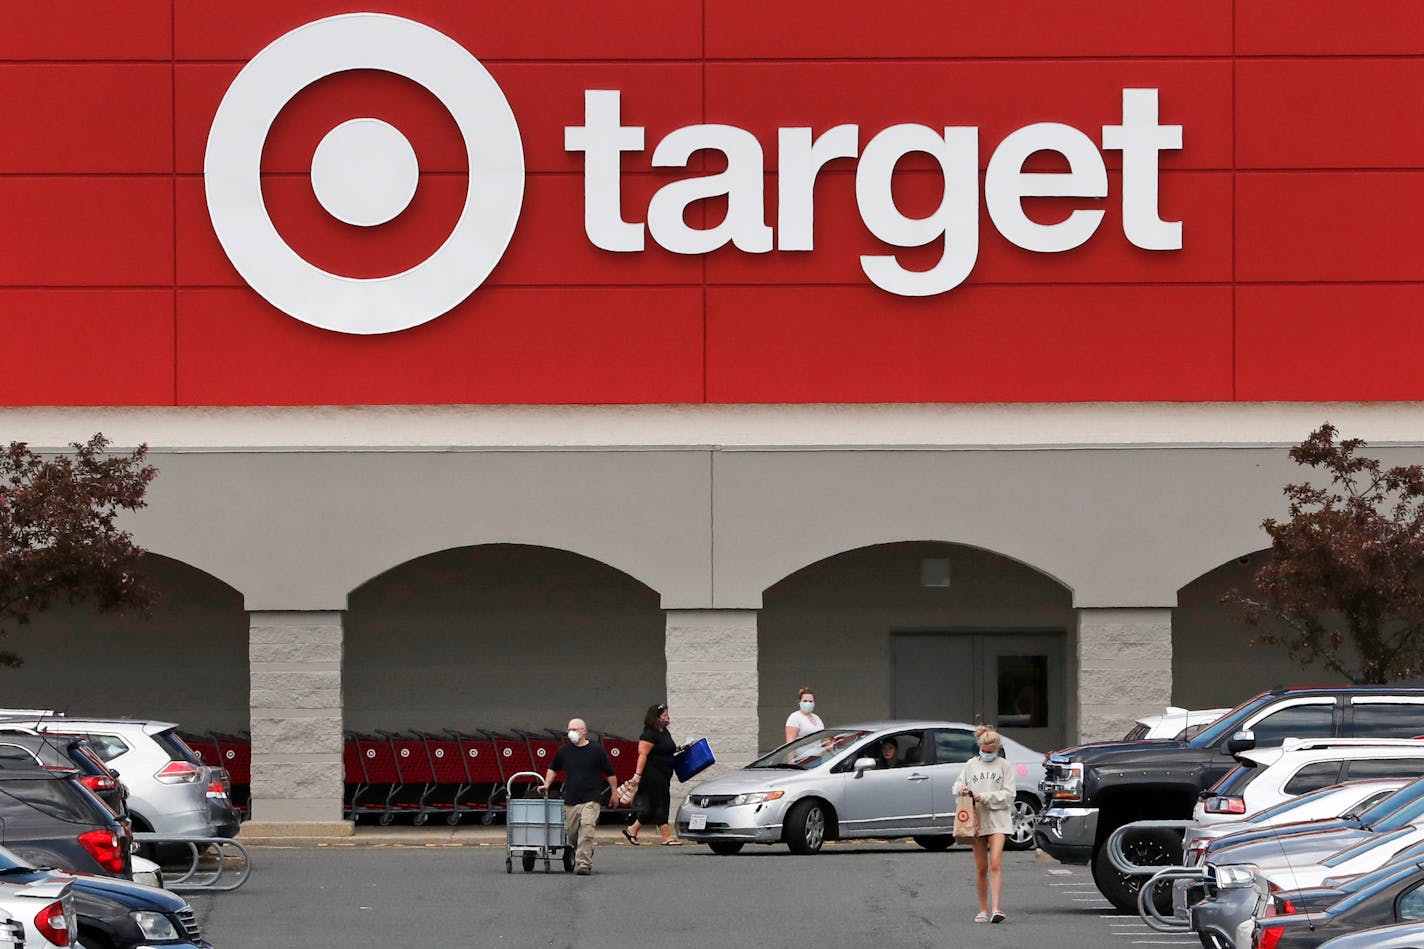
x=535, y=827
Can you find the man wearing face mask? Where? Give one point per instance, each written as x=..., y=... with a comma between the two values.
x=586, y=768
x=804, y=720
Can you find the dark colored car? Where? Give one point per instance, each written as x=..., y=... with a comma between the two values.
x=117, y=914
x=220, y=807
x=60, y=752
x=1094, y=789
x=1396, y=897
x=51, y=820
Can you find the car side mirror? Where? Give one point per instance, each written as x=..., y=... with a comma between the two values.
x=1243, y=740
x=863, y=765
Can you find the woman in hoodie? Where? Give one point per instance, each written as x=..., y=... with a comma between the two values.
x=989, y=779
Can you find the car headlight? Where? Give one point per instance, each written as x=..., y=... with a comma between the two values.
x=1235, y=876
x=1070, y=787
x=155, y=925
x=756, y=797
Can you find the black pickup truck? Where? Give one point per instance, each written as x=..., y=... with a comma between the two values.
x=1091, y=790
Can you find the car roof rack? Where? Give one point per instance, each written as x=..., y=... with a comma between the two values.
x=1303, y=744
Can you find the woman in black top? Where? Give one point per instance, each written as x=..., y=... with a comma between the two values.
x=653, y=776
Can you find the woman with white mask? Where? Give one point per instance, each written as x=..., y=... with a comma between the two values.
x=804, y=720
x=989, y=779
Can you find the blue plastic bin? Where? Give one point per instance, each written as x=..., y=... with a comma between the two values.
x=693, y=760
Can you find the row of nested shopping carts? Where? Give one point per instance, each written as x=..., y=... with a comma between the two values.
x=420, y=775
x=232, y=751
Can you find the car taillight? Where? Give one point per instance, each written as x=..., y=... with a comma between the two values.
x=216, y=789
x=98, y=782
x=1225, y=805
x=179, y=772
x=1268, y=937
x=53, y=924
x=105, y=848
x=1287, y=907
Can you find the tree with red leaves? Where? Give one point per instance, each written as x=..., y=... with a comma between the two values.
x=58, y=538
x=1345, y=573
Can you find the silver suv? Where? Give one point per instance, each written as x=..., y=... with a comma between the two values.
x=168, y=784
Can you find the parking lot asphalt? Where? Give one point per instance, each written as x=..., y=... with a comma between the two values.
x=882, y=895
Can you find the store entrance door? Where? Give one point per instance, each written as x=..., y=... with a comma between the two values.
x=1014, y=680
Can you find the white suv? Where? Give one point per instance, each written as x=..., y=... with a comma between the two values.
x=1267, y=776
x=168, y=784
x=1174, y=723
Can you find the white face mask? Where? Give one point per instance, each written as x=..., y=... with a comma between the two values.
x=575, y=736
x=808, y=707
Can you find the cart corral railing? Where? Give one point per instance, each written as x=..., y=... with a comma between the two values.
x=1152, y=876
x=216, y=864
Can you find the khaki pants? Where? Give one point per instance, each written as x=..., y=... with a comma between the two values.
x=579, y=823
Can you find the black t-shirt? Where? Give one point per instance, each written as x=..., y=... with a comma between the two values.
x=660, y=758
x=586, y=771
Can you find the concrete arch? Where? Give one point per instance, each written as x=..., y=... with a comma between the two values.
x=892, y=541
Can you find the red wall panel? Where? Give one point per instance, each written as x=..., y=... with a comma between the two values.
x=1340, y=113
x=86, y=118
x=531, y=29
x=1328, y=27
x=794, y=29
x=88, y=347
x=83, y=29
x=1318, y=341
x=1299, y=187
x=516, y=345
x=1328, y=226
x=85, y=232
x=1011, y=344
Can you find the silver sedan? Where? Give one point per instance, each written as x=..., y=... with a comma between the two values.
x=876, y=780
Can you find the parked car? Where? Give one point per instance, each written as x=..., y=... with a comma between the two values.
x=1094, y=789
x=44, y=910
x=1174, y=724
x=1267, y=776
x=1316, y=840
x=52, y=820
x=1402, y=936
x=116, y=914
x=833, y=785
x=58, y=752
x=1325, y=804
x=168, y=784
x=1396, y=897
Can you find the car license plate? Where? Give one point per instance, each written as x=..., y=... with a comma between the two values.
x=697, y=822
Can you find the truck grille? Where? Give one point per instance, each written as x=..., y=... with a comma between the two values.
x=189, y=922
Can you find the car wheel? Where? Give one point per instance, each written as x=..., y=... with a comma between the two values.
x=806, y=827
x=528, y=861
x=725, y=847
x=936, y=844
x=1146, y=848
x=568, y=860
x=1025, y=813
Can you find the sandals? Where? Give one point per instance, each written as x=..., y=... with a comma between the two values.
x=672, y=842
x=998, y=916
x=981, y=917
x=631, y=838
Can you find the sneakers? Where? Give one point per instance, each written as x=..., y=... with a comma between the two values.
x=583, y=871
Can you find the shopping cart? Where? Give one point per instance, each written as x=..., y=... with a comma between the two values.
x=535, y=827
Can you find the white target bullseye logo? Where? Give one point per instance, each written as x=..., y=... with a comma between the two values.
x=364, y=173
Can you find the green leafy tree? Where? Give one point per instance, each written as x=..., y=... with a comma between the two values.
x=1344, y=577
x=58, y=538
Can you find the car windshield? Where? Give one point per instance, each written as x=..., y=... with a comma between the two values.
x=1366, y=885
x=1404, y=806
x=815, y=749
x=1217, y=730
x=1363, y=847
x=10, y=862
x=1286, y=806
